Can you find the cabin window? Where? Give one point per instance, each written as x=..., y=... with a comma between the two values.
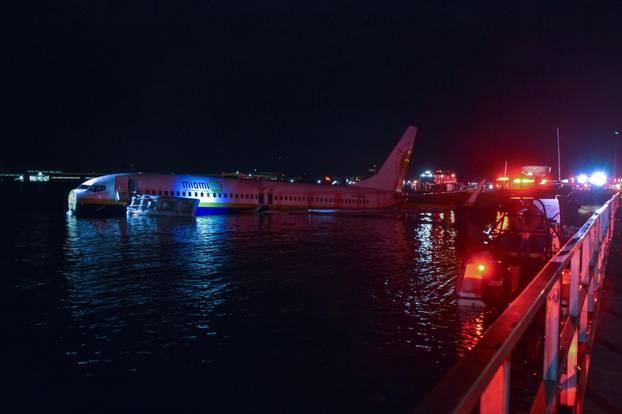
x=201, y=195
x=184, y=193
x=236, y=195
x=159, y=192
x=165, y=192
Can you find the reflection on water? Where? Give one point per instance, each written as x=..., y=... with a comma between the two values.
x=316, y=313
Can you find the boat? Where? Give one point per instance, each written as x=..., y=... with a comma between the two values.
x=527, y=232
x=154, y=205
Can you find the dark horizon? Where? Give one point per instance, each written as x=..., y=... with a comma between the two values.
x=322, y=89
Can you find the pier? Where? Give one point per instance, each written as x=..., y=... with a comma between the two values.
x=578, y=294
x=603, y=386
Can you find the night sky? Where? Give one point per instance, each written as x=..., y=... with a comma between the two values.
x=318, y=87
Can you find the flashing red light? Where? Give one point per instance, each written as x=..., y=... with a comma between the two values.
x=481, y=267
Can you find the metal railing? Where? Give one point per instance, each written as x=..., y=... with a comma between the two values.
x=567, y=286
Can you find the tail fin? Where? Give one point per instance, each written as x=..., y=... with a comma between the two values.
x=391, y=175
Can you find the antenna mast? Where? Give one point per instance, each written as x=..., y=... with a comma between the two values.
x=559, y=166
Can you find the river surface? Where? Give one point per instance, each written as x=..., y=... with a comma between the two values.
x=239, y=313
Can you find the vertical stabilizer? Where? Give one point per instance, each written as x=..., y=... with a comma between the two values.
x=391, y=175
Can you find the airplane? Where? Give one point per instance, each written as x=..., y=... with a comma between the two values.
x=111, y=194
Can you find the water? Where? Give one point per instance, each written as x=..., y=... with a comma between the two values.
x=241, y=313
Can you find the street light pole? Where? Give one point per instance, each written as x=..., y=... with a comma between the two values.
x=615, y=154
x=559, y=166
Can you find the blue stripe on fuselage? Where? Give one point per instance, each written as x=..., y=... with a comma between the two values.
x=204, y=211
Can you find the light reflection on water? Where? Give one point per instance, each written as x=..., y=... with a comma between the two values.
x=326, y=313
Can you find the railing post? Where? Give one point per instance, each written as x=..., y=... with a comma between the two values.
x=612, y=213
x=583, y=321
x=585, y=260
x=568, y=384
x=590, y=292
x=496, y=398
x=600, y=261
x=575, y=276
x=550, y=368
x=551, y=335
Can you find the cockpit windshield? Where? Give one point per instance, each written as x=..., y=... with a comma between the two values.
x=83, y=187
x=97, y=188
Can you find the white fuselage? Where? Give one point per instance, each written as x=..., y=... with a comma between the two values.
x=217, y=194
